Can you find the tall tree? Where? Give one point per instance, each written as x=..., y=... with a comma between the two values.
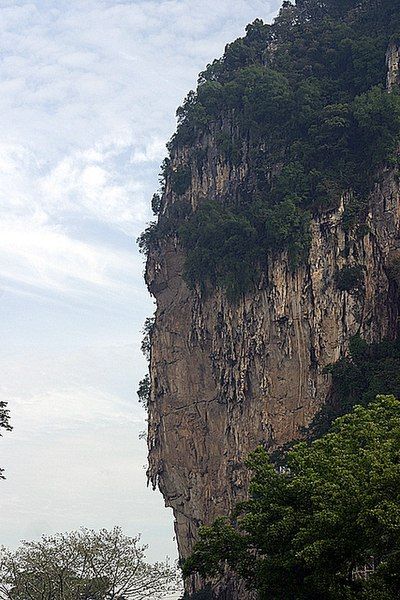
x=84, y=565
x=325, y=526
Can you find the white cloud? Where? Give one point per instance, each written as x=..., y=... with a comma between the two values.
x=91, y=387
x=74, y=457
x=89, y=184
x=34, y=252
x=88, y=92
x=153, y=151
x=68, y=409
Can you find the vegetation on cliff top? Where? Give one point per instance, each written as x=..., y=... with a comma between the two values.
x=327, y=526
x=308, y=116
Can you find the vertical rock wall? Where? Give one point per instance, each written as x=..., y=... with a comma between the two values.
x=228, y=376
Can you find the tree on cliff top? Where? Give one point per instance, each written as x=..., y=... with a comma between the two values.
x=327, y=526
x=84, y=565
x=299, y=113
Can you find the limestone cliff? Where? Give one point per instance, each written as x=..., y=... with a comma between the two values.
x=227, y=376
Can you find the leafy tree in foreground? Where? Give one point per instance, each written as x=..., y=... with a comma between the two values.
x=308, y=532
x=84, y=565
x=4, y=424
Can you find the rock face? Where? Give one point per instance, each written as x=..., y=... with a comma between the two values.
x=228, y=376
x=393, y=64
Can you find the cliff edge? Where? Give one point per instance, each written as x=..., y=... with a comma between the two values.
x=228, y=374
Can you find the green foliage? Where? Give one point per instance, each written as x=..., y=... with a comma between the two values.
x=350, y=278
x=164, y=173
x=306, y=530
x=354, y=212
x=264, y=95
x=192, y=117
x=4, y=417
x=225, y=245
x=147, y=238
x=370, y=369
x=221, y=247
x=144, y=391
x=4, y=424
x=156, y=204
x=148, y=329
x=168, y=224
x=180, y=179
x=377, y=116
x=303, y=103
x=229, y=148
x=84, y=565
x=287, y=227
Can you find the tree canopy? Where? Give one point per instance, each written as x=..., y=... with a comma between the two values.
x=325, y=526
x=84, y=565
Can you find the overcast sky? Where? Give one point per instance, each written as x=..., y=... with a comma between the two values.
x=88, y=92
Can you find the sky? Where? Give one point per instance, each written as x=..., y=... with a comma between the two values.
x=88, y=93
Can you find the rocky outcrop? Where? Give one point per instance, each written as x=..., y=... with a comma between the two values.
x=226, y=376
x=393, y=65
